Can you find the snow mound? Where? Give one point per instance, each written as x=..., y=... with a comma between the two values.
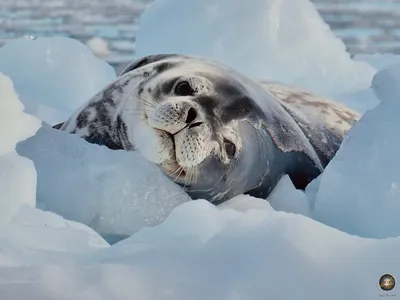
x=28, y=234
x=19, y=125
x=48, y=93
x=15, y=126
x=286, y=198
x=36, y=237
x=284, y=40
x=386, y=83
x=99, y=47
x=114, y=192
x=359, y=191
x=202, y=252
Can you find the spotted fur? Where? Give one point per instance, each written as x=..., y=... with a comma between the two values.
x=224, y=135
x=324, y=121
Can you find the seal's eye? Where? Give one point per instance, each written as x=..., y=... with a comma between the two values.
x=183, y=88
x=230, y=148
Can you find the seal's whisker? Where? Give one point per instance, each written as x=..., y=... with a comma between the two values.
x=201, y=190
x=157, y=98
x=135, y=109
x=135, y=114
x=181, y=170
x=137, y=122
x=192, y=175
x=176, y=171
x=147, y=103
x=144, y=101
x=189, y=175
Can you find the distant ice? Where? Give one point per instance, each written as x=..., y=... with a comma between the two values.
x=99, y=47
x=378, y=60
x=48, y=93
x=284, y=40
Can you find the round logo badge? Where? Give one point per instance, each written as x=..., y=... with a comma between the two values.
x=387, y=282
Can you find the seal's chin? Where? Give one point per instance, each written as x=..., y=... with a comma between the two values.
x=174, y=171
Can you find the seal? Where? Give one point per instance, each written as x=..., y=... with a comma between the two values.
x=211, y=129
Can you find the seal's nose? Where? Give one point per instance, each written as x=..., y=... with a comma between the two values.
x=191, y=118
x=191, y=115
x=175, y=115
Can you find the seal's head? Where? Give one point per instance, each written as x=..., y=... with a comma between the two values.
x=196, y=119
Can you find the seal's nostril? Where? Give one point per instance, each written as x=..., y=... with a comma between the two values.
x=191, y=115
x=195, y=124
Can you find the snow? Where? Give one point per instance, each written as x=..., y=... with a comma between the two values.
x=20, y=125
x=14, y=168
x=386, y=83
x=38, y=80
x=45, y=233
x=286, y=198
x=114, y=192
x=359, y=191
x=332, y=241
x=202, y=252
x=26, y=233
x=99, y=47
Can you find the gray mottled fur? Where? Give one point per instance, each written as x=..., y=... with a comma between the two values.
x=278, y=138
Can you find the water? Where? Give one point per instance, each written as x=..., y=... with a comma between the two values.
x=366, y=26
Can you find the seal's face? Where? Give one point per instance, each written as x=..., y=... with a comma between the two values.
x=192, y=119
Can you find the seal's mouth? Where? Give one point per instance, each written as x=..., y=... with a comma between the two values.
x=171, y=167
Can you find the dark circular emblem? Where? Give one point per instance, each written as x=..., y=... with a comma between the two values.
x=387, y=282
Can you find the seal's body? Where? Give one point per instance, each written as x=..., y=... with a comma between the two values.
x=324, y=121
x=212, y=130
